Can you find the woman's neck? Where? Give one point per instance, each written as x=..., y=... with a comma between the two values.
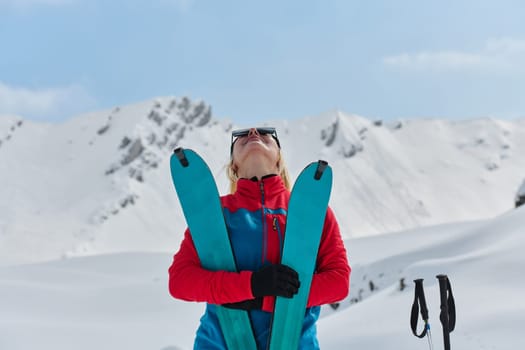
x=256, y=168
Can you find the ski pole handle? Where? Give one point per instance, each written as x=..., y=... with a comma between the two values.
x=448, y=309
x=419, y=302
x=424, y=309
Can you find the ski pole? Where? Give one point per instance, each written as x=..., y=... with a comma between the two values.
x=420, y=302
x=448, y=309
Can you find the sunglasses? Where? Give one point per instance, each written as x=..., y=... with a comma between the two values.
x=236, y=134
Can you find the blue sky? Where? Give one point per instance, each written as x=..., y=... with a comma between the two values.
x=262, y=60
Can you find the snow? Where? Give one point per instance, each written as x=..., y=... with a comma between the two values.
x=89, y=221
x=483, y=261
x=120, y=301
x=112, y=301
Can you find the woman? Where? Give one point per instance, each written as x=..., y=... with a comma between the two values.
x=255, y=214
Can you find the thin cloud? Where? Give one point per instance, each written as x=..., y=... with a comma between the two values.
x=27, y=4
x=497, y=56
x=49, y=103
x=34, y=2
x=182, y=6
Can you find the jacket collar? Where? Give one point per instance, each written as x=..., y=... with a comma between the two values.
x=272, y=185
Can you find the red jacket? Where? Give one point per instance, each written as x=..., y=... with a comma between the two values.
x=256, y=215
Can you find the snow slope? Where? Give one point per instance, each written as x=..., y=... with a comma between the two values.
x=99, y=183
x=89, y=222
x=484, y=262
x=120, y=301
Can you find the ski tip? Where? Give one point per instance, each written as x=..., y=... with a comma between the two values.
x=321, y=167
x=179, y=152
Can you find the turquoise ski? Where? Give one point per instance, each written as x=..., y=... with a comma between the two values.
x=304, y=226
x=200, y=201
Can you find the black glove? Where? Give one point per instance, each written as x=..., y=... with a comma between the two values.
x=251, y=304
x=275, y=280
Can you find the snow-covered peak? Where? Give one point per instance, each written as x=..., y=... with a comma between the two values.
x=100, y=182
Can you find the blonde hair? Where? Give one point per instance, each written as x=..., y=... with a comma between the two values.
x=283, y=173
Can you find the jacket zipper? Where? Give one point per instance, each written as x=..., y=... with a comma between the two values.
x=264, y=228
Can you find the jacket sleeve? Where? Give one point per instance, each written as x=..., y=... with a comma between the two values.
x=331, y=280
x=189, y=281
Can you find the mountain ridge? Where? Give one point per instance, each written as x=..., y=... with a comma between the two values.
x=99, y=182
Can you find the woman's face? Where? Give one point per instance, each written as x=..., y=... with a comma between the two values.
x=255, y=144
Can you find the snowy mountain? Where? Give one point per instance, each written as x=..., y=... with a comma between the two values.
x=89, y=221
x=99, y=183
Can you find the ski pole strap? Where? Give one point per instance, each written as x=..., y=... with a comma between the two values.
x=419, y=302
x=448, y=309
